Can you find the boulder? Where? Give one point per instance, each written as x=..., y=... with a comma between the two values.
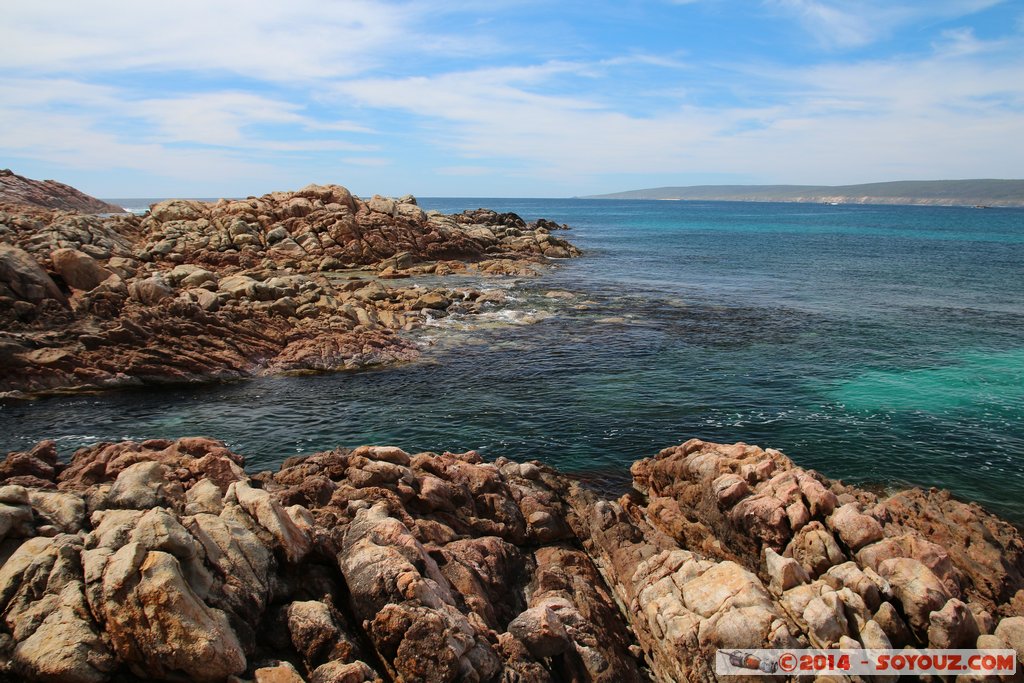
x=825, y=624
x=911, y=545
x=382, y=205
x=64, y=511
x=855, y=529
x=541, y=630
x=24, y=278
x=729, y=488
x=150, y=290
x=873, y=636
x=952, y=627
x=783, y=572
x=37, y=465
x=144, y=485
x=198, y=278
x=1011, y=631
x=13, y=494
x=268, y=518
x=338, y=672
x=238, y=286
x=432, y=300
x=282, y=672
x=204, y=496
x=917, y=588
x=849, y=575
x=207, y=300
x=893, y=626
x=44, y=605
x=316, y=635
x=15, y=521
x=78, y=270
x=155, y=621
x=815, y=549
x=178, y=210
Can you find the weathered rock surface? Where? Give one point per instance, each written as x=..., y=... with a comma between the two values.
x=49, y=194
x=164, y=560
x=196, y=291
x=22, y=279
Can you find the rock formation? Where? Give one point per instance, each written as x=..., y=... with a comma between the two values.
x=49, y=194
x=295, y=281
x=164, y=560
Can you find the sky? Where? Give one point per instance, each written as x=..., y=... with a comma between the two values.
x=507, y=98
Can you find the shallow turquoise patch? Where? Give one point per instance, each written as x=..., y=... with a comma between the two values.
x=973, y=381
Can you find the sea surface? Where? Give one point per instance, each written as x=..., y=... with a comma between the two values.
x=878, y=344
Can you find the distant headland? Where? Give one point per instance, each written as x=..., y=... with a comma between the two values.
x=981, y=193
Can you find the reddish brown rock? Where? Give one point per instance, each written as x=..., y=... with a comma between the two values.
x=78, y=269
x=953, y=626
x=21, y=278
x=377, y=564
x=815, y=549
x=856, y=530
x=49, y=194
x=198, y=292
x=986, y=551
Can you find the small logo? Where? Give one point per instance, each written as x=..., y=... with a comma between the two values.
x=746, y=660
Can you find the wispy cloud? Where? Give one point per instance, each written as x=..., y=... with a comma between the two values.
x=278, y=41
x=367, y=161
x=856, y=23
x=834, y=24
x=960, y=42
x=464, y=170
x=413, y=92
x=955, y=117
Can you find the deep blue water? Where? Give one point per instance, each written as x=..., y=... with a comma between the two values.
x=876, y=344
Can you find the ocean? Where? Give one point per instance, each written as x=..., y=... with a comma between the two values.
x=882, y=345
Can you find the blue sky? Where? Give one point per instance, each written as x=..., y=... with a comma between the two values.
x=507, y=98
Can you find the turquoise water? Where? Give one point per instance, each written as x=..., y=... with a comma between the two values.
x=876, y=344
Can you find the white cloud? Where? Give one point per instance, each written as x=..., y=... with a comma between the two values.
x=223, y=118
x=467, y=170
x=937, y=116
x=82, y=144
x=334, y=85
x=833, y=25
x=366, y=161
x=278, y=41
x=856, y=23
x=962, y=41
x=203, y=137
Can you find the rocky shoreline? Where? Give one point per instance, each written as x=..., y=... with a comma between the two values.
x=164, y=560
x=310, y=280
